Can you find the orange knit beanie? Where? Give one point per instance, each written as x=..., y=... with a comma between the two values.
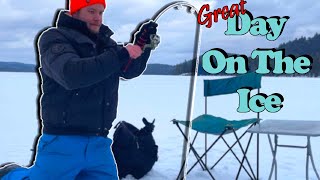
x=76, y=5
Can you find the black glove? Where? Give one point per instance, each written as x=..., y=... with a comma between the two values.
x=147, y=30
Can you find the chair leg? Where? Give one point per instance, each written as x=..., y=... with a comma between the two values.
x=242, y=161
x=203, y=165
x=181, y=171
x=198, y=157
x=230, y=149
x=227, y=151
x=206, y=152
x=195, y=153
x=234, y=154
x=244, y=154
x=205, y=149
x=194, y=139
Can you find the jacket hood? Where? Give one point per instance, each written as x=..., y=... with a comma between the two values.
x=67, y=21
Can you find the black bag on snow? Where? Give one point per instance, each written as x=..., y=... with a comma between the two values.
x=135, y=151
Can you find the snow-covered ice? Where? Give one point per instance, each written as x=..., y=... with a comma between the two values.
x=164, y=98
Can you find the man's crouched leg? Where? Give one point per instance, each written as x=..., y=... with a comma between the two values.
x=69, y=157
x=10, y=167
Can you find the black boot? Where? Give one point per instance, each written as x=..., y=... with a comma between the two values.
x=6, y=168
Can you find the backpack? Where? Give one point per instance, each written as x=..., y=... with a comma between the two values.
x=134, y=150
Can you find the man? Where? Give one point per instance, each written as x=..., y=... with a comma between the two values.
x=80, y=66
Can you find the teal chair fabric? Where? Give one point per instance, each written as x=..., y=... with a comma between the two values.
x=231, y=85
x=216, y=125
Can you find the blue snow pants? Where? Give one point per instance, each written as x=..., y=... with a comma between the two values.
x=68, y=158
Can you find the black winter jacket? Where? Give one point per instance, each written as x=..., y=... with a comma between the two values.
x=80, y=75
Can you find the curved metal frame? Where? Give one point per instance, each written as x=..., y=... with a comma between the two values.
x=179, y=5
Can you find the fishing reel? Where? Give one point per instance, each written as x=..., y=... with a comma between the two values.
x=147, y=36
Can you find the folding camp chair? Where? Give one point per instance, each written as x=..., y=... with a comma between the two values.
x=209, y=124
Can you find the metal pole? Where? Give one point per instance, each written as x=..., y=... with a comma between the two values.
x=193, y=79
x=258, y=142
x=309, y=152
x=191, y=102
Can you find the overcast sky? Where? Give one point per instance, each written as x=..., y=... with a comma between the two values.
x=21, y=21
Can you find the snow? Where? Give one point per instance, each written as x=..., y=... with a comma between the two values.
x=164, y=98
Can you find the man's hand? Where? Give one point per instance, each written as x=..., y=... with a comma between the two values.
x=134, y=50
x=145, y=30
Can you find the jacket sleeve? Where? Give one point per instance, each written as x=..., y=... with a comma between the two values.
x=61, y=62
x=137, y=66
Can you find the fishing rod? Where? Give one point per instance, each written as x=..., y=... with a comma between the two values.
x=149, y=33
x=154, y=41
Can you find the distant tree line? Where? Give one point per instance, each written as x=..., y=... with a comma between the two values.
x=298, y=47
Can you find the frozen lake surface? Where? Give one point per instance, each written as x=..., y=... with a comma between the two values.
x=164, y=98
